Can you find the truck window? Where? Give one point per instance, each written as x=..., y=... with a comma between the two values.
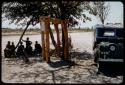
x=109, y=33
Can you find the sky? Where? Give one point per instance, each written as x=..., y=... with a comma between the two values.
x=115, y=16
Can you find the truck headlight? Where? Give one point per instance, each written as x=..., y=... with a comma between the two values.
x=112, y=48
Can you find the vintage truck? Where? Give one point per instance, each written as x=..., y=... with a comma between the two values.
x=108, y=45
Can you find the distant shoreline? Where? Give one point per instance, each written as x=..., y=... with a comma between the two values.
x=14, y=32
x=36, y=33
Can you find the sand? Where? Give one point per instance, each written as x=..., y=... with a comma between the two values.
x=38, y=71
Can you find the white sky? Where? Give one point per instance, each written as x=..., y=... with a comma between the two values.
x=115, y=16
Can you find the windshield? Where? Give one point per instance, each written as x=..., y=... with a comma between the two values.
x=106, y=32
x=110, y=32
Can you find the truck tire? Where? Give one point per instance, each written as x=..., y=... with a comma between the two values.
x=96, y=56
x=101, y=67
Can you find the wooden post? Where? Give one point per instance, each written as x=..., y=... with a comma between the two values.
x=42, y=25
x=45, y=22
x=56, y=22
x=47, y=44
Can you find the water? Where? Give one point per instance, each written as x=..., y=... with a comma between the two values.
x=82, y=41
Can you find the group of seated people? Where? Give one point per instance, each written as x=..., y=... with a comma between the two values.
x=9, y=49
x=21, y=50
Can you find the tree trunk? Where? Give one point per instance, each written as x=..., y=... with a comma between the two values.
x=58, y=38
x=64, y=29
x=102, y=21
x=62, y=17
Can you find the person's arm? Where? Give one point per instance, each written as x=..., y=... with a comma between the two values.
x=30, y=42
x=23, y=40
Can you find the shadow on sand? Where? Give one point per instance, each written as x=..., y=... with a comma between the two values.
x=110, y=70
x=82, y=55
x=57, y=64
x=113, y=70
x=74, y=55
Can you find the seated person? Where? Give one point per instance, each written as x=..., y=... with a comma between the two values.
x=38, y=48
x=20, y=50
x=7, y=50
x=12, y=49
x=28, y=50
x=12, y=46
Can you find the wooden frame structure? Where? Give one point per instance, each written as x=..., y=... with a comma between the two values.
x=45, y=31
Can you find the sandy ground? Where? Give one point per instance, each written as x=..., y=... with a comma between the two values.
x=38, y=71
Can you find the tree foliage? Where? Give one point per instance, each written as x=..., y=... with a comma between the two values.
x=18, y=11
x=29, y=12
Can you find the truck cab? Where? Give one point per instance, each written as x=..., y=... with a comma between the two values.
x=108, y=44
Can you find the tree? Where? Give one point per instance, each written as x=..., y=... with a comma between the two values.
x=29, y=12
x=17, y=11
x=100, y=9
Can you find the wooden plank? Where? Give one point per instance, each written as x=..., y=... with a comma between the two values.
x=47, y=44
x=43, y=46
x=42, y=25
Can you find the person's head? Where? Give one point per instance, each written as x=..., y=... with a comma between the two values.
x=36, y=42
x=12, y=43
x=8, y=42
x=27, y=38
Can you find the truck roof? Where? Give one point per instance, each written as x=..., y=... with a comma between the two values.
x=107, y=26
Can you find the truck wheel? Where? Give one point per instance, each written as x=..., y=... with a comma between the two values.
x=101, y=66
x=96, y=56
x=95, y=59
